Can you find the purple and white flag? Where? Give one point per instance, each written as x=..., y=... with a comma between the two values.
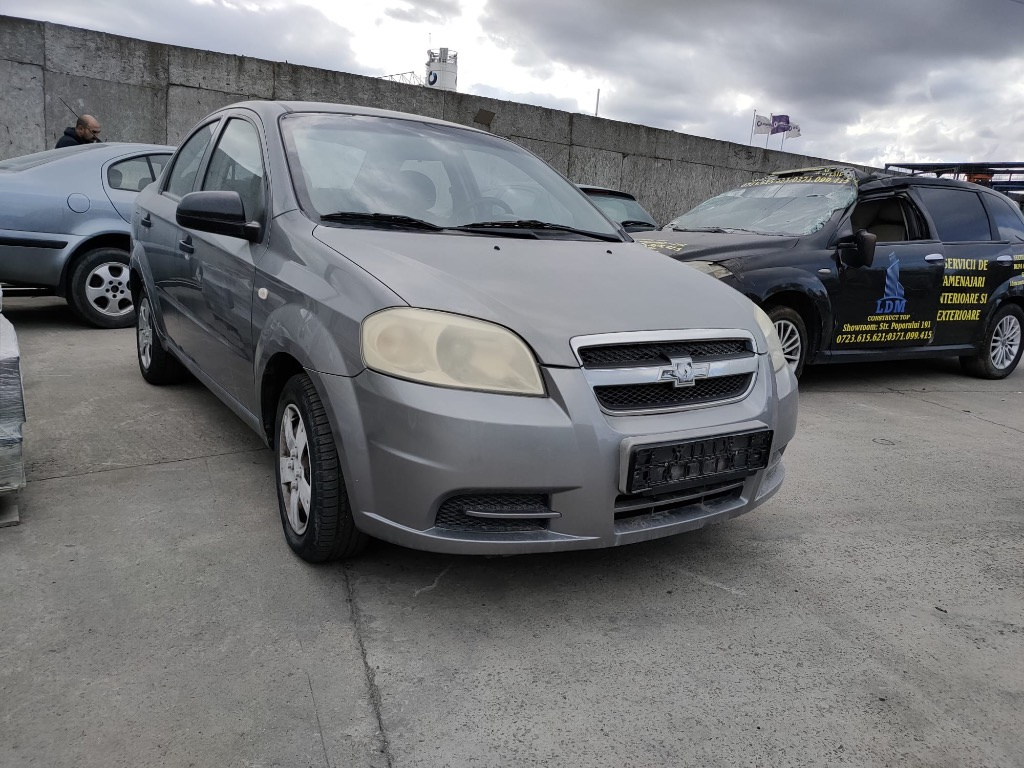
x=780, y=123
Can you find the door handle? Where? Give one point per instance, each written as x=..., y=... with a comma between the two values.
x=934, y=258
x=1004, y=258
x=146, y=221
x=186, y=245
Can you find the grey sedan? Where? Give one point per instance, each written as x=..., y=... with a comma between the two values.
x=444, y=341
x=64, y=217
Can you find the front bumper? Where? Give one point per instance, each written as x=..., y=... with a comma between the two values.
x=410, y=451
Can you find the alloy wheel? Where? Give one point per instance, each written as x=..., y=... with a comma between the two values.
x=1005, y=342
x=106, y=289
x=792, y=347
x=295, y=479
x=144, y=334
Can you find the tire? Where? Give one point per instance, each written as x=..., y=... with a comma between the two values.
x=98, y=289
x=1001, y=348
x=311, y=493
x=158, y=366
x=793, y=335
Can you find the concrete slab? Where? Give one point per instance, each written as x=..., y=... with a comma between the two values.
x=126, y=112
x=84, y=53
x=213, y=71
x=187, y=106
x=870, y=614
x=595, y=166
x=21, y=40
x=21, y=110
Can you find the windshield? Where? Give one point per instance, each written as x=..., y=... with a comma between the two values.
x=447, y=177
x=797, y=205
x=621, y=209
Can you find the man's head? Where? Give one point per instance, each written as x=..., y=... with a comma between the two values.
x=88, y=128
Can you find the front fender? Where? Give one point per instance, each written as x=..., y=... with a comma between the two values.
x=762, y=285
x=294, y=330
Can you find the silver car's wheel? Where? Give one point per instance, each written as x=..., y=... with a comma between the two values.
x=294, y=476
x=106, y=289
x=144, y=335
x=1004, y=345
x=98, y=289
x=157, y=365
x=314, y=507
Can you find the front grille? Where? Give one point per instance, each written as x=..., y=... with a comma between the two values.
x=659, y=353
x=634, y=397
x=452, y=514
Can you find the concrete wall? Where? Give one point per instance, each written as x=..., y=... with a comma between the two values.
x=150, y=92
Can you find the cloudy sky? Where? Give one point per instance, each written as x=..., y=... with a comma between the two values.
x=868, y=81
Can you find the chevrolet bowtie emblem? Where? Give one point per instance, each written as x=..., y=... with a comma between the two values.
x=683, y=372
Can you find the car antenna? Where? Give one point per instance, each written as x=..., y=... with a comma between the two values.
x=69, y=107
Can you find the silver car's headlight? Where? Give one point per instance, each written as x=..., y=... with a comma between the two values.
x=774, y=345
x=709, y=268
x=449, y=351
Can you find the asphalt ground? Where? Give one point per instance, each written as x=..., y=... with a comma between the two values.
x=151, y=613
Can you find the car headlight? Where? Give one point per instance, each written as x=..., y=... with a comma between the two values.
x=709, y=268
x=772, y=337
x=449, y=351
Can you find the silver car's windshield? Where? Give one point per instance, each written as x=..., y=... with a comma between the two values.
x=773, y=206
x=400, y=171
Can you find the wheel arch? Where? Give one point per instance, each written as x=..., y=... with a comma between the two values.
x=278, y=370
x=119, y=240
x=805, y=306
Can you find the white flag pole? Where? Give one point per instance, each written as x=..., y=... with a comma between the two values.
x=752, y=121
x=771, y=122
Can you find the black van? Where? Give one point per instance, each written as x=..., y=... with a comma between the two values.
x=856, y=266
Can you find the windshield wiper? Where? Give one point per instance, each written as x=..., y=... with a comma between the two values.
x=716, y=230
x=385, y=219
x=533, y=224
x=638, y=223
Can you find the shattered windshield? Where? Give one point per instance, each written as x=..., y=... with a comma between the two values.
x=797, y=205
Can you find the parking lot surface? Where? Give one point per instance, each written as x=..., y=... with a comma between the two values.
x=152, y=614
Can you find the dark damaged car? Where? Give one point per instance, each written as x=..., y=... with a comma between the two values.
x=853, y=266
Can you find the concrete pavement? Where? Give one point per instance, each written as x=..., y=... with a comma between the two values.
x=152, y=614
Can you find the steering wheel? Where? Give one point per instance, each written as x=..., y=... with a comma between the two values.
x=480, y=203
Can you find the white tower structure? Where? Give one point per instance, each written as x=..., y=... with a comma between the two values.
x=442, y=69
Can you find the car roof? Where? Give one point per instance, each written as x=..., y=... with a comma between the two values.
x=882, y=180
x=273, y=109
x=590, y=189
x=98, y=153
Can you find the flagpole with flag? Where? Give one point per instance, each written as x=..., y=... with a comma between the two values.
x=761, y=124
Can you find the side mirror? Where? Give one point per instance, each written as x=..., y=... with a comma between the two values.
x=858, y=250
x=221, y=213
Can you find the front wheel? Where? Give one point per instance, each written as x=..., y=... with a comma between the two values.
x=311, y=493
x=98, y=289
x=1001, y=349
x=793, y=335
x=157, y=365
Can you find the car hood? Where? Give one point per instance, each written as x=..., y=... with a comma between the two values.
x=736, y=248
x=547, y=291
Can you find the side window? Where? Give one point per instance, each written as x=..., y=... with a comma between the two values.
x=133, y=175
x=1007, y=218
x=186, y=164
x=237, y=166
x=890, y=219
x=958, y=214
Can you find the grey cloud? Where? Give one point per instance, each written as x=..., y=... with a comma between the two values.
x=298, y=34
x=433, y=12
x=826, y=64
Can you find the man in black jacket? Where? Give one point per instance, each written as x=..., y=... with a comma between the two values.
x=86, y=131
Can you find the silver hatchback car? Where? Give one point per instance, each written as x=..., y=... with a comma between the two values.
x=64, y=217
x=445, y=342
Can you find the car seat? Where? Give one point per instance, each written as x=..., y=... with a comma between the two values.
x=882, y=218
x=115, y=178
x=419, y=194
